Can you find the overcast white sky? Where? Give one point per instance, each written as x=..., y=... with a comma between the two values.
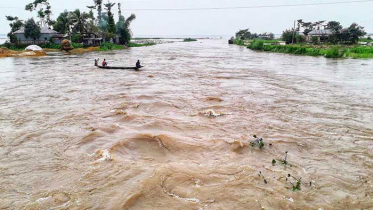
x=210, y=22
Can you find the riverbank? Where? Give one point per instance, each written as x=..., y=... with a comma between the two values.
x=328, y=51
x=5, y=52
x=18, y=50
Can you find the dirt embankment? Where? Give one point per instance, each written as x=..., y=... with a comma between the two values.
x=5, y=52
x=83, y=50
x=75, y=50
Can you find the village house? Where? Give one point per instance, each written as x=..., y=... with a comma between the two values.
x=92, y=39
x=322, y=35
x=46, y=34
x=267, y=36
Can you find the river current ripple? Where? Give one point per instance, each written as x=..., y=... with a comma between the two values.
x=73, y=136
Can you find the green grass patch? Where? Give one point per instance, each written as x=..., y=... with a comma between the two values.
x=239, y=42
x=51, y=46
x=143, y=38
x=268, y=41
x=77, y=45
x=257, y=44
x=328, y=51
x=131, y=44
x=15, y=47
x=366, y=40
x=335, y=52
x=110, y=46
x=58, y=46
x=190, y=40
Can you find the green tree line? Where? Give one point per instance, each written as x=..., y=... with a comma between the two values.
x=74, y=23
x=339, y=34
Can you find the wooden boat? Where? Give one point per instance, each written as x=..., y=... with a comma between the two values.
x=117, y=67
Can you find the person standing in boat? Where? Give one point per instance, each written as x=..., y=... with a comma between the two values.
x=138, y=65
x=104, y=63
x=96, y=62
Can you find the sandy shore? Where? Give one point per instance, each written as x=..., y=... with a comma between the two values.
x=5, y=52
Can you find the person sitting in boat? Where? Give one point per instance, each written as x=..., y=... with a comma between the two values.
x=96, y=62
x=104, y=63
x=138, y=64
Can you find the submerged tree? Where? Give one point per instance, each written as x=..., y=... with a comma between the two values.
x=32, y=30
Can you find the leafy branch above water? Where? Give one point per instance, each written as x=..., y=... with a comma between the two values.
x=258, y=142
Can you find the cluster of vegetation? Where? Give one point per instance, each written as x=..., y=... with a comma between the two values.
x=332, y=51
x=132, y=44
x=369, y=39
x=296, y=183
x=238, y=42
x=245, y=34
x=339, y=35
x=258, y=142
x=110, y=46
x=16, y=47
x=75, y=24
x=339, y=42
x=190, y=40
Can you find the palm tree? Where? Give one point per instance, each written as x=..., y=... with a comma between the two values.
x=124, y=29
x=91, y=12
x=79, y=20
x=98, y=3
x=111, y=23
x=63, y=23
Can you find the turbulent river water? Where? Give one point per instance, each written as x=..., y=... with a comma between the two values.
x=73, y=136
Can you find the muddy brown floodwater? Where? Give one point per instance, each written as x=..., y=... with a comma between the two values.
x=77, y=137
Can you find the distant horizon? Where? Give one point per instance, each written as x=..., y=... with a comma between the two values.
x=217, y=17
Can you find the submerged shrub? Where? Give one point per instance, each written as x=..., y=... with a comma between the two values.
x=132, y=44
x=257, y=45
x=334, y=52
x=51, y=46
x=238, y=42
x=362, y=49
x=313, y=52
x=189, y=40
x=77, y=45
x=110, y=46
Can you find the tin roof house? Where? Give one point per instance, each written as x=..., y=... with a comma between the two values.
x=46, y=34
x=322, y=35
x=92, y=39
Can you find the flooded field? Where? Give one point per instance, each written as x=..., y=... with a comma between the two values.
x=73, y=136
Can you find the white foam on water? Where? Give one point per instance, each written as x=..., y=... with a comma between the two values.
x=105, y=155
x=41, y=200
x=194, y=200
